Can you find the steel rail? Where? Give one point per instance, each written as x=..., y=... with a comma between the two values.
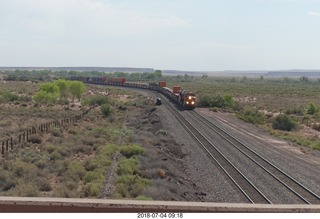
x=312, y=197
x=258, y=197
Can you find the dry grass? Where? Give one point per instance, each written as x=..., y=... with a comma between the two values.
x=69, y=161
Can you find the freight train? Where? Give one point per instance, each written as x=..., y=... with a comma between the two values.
x=185, y=99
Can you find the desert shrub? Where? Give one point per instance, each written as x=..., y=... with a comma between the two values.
x=252, y=116
x=311, y=109
x=161, y=132
x=76, y=170
x=107, y=150
x=25, y=190
x=296, y=111
x=122, y=107
x=160, y=190
x=211, y=101
x=127, y=166
x=8, y=97
x=57, y=132
x=106, y=110
x=43, y=184
x=60, y=167
x=91, y=164
x=65, y=192
x=54, y=156
x=228, y=100
x=71, y=184
x=153, y=109
x=316, y=127
x=283, y=122
x=31, y=156
x=24, y=170
x=92, y=190
x=143, y=198
x=99, y=100
x=6, y=181
x=130, y=186
x=35, y=139
x=93, y=176
x=131, y=150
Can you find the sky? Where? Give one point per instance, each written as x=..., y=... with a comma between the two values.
x=195, y=35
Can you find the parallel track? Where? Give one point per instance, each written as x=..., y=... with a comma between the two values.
x=305, y=194
x=252, y=193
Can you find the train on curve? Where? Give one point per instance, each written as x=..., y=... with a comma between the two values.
x=186, y=99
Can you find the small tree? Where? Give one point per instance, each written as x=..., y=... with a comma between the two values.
x=63, y=87
x=48, y=93
x=311, y=109
x=77, y=88
x=283, y=122
x=228, y=100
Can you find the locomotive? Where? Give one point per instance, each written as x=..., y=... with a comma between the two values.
x=186, y=99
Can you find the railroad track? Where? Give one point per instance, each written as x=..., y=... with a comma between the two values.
x=299, y=190
x=244, y=185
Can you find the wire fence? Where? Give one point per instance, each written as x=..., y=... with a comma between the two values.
x=10, y=142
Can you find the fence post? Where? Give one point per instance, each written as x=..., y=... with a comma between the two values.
x=2, y=151
x=11, y=143
x=7, y=145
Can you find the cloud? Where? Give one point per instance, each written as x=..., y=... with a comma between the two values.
x=314, y=13
x=85, y=17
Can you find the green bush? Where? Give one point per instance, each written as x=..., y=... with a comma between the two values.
x=131, y=150
x=283, y=122
x=91, y=164
x=253, y=116
x=106, y=110
x=99, y=100
x=9, y=97
x=127, y=166
x=76, y=170
x=130, y=186
x=211, y=101
x=92, y=190
x=143, y=198
x=94, y=176
x=311, y=109
x=297, y=111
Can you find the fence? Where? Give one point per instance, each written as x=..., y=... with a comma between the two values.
x=8, y=144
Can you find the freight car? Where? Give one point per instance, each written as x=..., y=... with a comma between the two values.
x=185, y=99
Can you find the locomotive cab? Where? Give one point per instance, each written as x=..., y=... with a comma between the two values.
x=187, y=100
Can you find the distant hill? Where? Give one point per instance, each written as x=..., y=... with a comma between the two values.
x=294, y=73
x=226, y=73
x=99, y=69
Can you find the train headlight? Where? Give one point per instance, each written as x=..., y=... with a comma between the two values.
x=190, y=97
x=187, y=102
x=192, y=102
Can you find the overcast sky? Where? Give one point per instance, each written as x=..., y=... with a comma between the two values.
x=161, y=34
